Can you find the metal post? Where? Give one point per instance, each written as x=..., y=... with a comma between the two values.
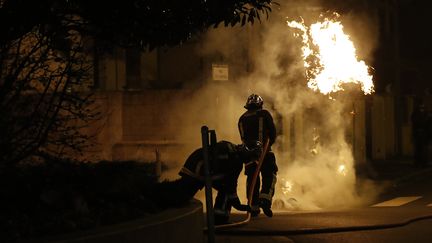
x=208, y=186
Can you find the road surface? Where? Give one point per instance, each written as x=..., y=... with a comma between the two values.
x=403, y=213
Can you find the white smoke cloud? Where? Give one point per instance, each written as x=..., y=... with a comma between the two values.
x=274, y=55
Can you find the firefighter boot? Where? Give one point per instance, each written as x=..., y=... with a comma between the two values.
x=254, y=211
x=265, y=204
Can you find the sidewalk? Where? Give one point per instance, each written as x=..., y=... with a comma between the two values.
x=394, y=170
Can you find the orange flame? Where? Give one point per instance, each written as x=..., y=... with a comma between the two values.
x=330, y=57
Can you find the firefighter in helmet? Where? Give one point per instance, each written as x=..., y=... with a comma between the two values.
x=256, y=124
x=226, y=163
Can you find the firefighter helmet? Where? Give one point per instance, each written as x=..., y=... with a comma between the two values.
x=254, y=101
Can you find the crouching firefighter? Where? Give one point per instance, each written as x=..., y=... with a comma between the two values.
x=226, y=163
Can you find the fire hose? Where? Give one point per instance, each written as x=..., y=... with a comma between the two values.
x=251, y=190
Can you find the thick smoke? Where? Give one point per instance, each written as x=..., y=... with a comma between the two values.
x=314, y=147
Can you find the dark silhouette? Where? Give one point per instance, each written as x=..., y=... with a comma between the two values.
x=421, y=133
x=256, y=124
x=226, y=163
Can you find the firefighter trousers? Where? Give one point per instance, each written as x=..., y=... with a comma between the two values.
x=268, y=180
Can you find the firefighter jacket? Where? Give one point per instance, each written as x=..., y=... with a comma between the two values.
x=225, y=166
x=257, y=125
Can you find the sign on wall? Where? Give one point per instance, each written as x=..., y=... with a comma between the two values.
x=220, y=72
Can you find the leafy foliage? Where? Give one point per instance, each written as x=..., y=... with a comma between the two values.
x=143, y=23
x=39, y=111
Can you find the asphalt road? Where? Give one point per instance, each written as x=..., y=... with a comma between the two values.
x=402, y=213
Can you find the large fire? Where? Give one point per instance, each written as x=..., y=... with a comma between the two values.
x=330, y=62
x=330, y=57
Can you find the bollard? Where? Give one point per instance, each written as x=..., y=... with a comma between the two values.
x=208, y=186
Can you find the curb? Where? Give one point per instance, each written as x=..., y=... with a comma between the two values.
x=181, y=225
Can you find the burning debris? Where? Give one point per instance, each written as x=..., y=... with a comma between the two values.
x=342, y=170
x=330, y=57
x=287, y=186
x=324, y=176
